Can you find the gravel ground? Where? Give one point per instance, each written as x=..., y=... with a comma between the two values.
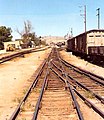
x=88, y=113
x=15, y=78
x=82, y=63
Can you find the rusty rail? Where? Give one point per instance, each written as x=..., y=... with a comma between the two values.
x=87, y=73
x=40, y=97
x=21, y=53
x=17, y=110
x=14, y=115
x=101, y=113
x=81, y=85
x=69, y=87
x=72, y=94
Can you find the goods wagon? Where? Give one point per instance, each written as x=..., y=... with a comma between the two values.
x=71, y=45
x=96, y=53
x=88, y=45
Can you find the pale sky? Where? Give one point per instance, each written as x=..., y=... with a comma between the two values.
x=50, y=17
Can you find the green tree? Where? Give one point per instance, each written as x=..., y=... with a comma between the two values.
x=5, y=35
x=35, y=39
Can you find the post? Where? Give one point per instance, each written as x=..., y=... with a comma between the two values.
x=98, y=17
x=71, y=32
x=85, y=17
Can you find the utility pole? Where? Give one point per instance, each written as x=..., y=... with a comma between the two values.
x=98, y=17
x=71, y=32
x=84, y=16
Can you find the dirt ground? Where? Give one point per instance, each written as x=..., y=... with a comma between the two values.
x=82, y=63
x=16, y=76
x=87, y=112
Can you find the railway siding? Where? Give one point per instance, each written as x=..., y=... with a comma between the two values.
x=56, y=91
x=56, y=102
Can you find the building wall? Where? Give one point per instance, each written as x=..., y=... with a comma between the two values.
x=16, y=44
x=2, y=51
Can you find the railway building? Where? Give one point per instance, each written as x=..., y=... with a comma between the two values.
x=12, y=45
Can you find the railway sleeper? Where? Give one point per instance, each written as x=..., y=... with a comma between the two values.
x=96, y=109
x=80, y=84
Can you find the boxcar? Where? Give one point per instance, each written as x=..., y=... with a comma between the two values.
x=81, y=47
x=88, y=44
x=71, y=45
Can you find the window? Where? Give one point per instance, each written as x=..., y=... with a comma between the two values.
x=91, y=36
x=98, y=35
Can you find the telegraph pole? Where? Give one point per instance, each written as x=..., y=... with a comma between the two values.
x=98, y=17
x=84, y=16
x=71, y=32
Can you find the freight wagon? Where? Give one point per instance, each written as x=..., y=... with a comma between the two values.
x=88, y=45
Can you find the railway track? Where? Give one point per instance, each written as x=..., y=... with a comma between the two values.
x=19, y=54
x=53, y=94
x=88, y=84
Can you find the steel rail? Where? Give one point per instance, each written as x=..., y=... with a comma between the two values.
x=76, y=105
x=87, y=73
x=63, y=70
x=83, y=86
x=80, y=84
x=40, y=96
x=58, y=74
x=101, y=113
x=9, y=57
x=17, y=110
x=72, y=95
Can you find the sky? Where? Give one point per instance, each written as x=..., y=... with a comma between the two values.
x=51, y=17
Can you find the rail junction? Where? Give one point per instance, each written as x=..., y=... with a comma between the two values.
x=56, y=90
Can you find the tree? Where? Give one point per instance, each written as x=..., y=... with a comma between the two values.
x=35, y=39
x=5, y=35
x=27, y=35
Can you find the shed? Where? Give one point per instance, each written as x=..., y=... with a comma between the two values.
x=14, y=44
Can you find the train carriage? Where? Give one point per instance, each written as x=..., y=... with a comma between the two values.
x=71, y=45
x=81, y=47
x=89, y=44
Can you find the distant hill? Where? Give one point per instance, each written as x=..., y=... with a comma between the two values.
x=55, y=39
